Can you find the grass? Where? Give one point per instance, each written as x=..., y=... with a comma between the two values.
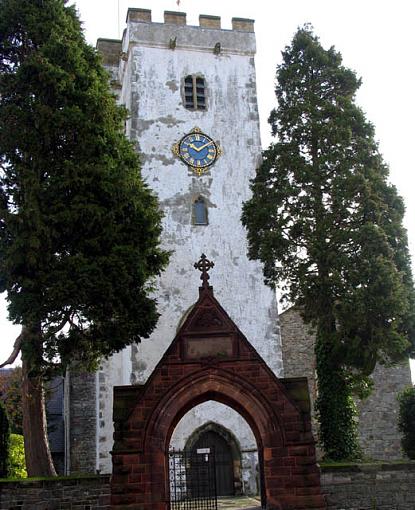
x=52, y=478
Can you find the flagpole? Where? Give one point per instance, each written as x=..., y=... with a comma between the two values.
x=119, y=26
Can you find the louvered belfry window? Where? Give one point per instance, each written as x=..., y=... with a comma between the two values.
x=194, y=93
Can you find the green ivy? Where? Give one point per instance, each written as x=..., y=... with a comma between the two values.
x=339, y=434
x=407, y=421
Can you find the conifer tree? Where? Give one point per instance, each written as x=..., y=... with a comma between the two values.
x=79, y=230
x=327, y=225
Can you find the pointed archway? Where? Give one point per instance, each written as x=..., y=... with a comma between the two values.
x=210, y=359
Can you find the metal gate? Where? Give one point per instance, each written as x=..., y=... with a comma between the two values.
x=192, y=480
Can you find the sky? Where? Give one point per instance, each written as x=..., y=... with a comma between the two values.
x=375, y=38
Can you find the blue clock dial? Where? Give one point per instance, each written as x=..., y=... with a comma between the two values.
x=198, y=150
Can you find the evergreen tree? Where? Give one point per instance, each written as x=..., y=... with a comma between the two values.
x=328, y=227
x=79, y=230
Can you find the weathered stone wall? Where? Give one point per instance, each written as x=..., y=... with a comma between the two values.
x=114, y=371
x=370, y=487
x=378, y=415
x=92, y=493
x=298, y=353
x=82, y=422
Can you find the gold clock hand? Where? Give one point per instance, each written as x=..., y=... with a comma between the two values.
x=203, y=146
x=198, y=149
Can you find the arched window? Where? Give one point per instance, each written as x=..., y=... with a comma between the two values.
x=200, y=212
x=194, y=93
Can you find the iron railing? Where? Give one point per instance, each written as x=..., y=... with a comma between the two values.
x=192, y=480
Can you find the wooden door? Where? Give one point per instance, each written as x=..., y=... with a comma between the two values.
x=223, y=461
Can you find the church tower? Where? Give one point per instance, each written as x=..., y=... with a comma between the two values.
x=193, y=117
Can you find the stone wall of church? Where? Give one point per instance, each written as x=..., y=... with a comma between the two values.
x=113, y=372
x=81, y=422
x=378, y=414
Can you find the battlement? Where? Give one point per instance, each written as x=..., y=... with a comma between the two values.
x=179, y=18
x=110, y=51
x=176, y=34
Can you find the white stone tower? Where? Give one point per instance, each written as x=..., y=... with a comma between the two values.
x=173, y=78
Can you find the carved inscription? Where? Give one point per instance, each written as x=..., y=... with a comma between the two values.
x=218, y=347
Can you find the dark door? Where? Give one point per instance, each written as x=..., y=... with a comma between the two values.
x=223, y=460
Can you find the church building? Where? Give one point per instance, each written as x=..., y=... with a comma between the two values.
x=193, y=117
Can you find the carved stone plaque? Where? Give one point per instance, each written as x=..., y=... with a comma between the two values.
x=217, y=346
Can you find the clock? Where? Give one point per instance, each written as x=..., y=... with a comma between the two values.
x=197, y=150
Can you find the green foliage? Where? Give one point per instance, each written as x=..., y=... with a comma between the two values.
x=339, y=434
x=4, y=442
x=407, y=421
x=79, y=229
x=11, y=396
x=17, y=467
x=327, y=226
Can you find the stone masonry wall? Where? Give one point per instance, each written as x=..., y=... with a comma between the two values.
x=298, y=353
x=89, y=493
x=378, y=415
x=363, y=487
x=370, y=487
x=82, y=422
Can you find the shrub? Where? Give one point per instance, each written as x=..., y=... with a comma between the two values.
x=17, y=466
x=407, y=421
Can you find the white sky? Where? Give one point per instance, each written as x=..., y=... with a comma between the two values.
x=375, y=38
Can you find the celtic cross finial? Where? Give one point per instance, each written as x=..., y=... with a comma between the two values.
x=204, y=265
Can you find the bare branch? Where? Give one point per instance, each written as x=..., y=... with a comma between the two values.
x=16, y=349
x=57, y=328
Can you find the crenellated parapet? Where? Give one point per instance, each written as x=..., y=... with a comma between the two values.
x=175, y=34
x=179, y=18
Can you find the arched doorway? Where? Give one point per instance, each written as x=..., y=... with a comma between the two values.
x=210, y=359
x=223, y=444
x=211, y=441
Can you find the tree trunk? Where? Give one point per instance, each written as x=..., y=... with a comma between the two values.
x=37, y=453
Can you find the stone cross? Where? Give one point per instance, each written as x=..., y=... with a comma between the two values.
x=204, y=265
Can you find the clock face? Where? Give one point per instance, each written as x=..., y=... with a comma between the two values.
x=198, y=151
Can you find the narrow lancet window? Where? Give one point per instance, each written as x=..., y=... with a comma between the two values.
x=200, y=212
